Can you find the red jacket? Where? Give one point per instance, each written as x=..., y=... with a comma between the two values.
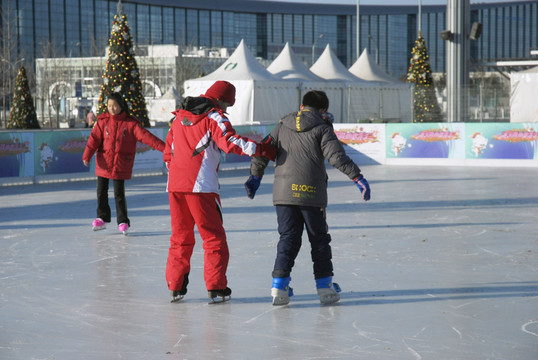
x=193, y=146
x=114, y=137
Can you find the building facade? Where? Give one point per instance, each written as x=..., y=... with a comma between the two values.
x=81, y=28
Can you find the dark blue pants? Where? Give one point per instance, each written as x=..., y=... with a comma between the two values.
x=292, y=220
x=103, y=209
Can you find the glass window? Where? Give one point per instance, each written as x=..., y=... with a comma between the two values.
x=287, y=28
x=72, y=12
x=228, y=30
x=278, y=36
x=398, y=58
x=245, y=28
x=205, y=28
x=156, y=22
x=42, y=26
x=298, y=30
x=57, y=26
x=216, y=28
x=102, y=30
x=168, y=25
x=25, y=28
x=192, y=27
x=180, y=28
x=142, y=25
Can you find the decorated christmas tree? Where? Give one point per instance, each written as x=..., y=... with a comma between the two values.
x=122, y=73
x=425, y=106
x=22, y=115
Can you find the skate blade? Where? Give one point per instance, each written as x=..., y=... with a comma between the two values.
x=97, y=228
x=177, y=298
x=329, y=299
x=279, y=301
x=219, y=300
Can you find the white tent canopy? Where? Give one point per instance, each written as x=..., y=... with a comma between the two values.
x=288, y=66
x=524, y=87
x=261, y=97
x=366, y=69
x=360, y=99
x=264, y=96
x=328, y=67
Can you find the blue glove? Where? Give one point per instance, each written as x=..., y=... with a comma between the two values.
x=363, y=186
x=252, y=184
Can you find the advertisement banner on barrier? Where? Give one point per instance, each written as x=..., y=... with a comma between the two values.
x=364, y=143
x=425, y=140
x=255, y=133
x=502, y=141
x=16, y=154
x=146, y=157
x=59, y=152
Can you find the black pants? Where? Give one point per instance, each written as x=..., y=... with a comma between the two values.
x=291, y=222
x=103, y=209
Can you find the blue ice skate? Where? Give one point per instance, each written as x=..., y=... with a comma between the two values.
x=327, y=290
x=281, y=291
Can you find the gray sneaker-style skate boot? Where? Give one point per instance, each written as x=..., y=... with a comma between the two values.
x=327, y=290
x=281, y=291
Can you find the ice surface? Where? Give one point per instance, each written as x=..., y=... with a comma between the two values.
x=441, y=264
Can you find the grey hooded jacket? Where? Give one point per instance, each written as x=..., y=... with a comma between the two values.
x=304, y=140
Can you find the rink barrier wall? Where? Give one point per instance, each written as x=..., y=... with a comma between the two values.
x=38, y=156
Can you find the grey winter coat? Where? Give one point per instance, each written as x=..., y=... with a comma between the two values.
x=304, y=140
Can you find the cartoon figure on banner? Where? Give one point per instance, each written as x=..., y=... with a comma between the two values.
x=479, y=144
x=46, y=156
x=398, y=143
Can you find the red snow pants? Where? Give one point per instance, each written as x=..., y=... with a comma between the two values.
x=204, y=211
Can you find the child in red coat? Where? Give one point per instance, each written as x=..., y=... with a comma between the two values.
x=199, y=132
x=114, y=137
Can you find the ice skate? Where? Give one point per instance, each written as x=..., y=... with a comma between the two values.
x=178, y=295
x=98, y=224
x=219, y=296
x=281, y=291
x=123, y=227
x=327, y=290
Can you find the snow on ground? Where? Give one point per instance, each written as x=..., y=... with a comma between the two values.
x=440, y=264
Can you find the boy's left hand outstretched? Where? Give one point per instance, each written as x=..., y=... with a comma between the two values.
x=363, y=186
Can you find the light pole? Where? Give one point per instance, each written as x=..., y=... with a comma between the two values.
x=314, y=46
x=376, y=48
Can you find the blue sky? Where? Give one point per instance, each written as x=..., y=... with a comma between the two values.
x=389, y=2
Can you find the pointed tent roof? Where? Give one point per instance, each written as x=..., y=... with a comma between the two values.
x=241, y=65
x=365, y=68
x=171, y=94
x=330, y=68
x=288, y=66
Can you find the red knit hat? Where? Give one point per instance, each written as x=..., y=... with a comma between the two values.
x=222, y=90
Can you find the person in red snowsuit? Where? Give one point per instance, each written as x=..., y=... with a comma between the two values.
x=198, y=133
x=114, y=137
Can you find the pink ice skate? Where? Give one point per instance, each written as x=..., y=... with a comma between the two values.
x=123, y=227
x=98, y=224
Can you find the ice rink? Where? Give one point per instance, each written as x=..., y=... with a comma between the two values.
x=442, y=263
